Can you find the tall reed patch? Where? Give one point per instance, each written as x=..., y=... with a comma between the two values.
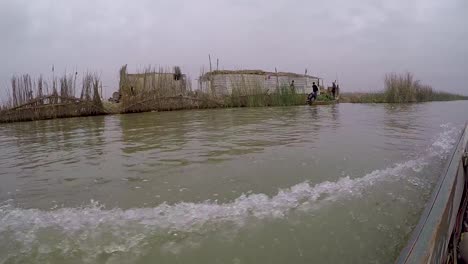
x=402, y=88
x=246, y=93
x=286, y=96
x=253, y=94
x=34, y=99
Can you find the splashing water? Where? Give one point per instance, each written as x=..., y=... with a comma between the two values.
x=67, y=229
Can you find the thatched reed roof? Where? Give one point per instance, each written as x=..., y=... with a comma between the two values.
x=151, y=73
x=254, y=72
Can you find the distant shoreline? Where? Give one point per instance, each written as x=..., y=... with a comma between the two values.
x=380, y=98
x=353, y=98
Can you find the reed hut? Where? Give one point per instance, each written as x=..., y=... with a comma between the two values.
x=154, y=89
x=223, y=83
x=151, y=81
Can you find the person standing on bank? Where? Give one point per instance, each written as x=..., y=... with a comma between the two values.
x=315, y=90
x=334, y=89
x=313, y=95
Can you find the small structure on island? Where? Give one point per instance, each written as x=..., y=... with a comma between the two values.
x=226, y=82
x=157, y=90
x=152, y=81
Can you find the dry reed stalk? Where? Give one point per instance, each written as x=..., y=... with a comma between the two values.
x=31, y=100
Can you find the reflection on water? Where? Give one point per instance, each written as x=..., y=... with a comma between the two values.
x=309, y=184
x=32, y=139
x=200, y=136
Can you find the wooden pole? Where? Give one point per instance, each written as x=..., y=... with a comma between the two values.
x=305, y=76
x=209, y=58
x=277, y=81
x=211, y=79
x=217, y=64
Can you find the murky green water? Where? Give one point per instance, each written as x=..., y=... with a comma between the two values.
x=327, y=184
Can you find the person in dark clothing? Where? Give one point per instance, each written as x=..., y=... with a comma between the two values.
x=315, y=89
x=312, y=96
x=334, y=89
x=293, y=87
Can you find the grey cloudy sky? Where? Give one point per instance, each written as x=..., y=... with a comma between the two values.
x=358, y=41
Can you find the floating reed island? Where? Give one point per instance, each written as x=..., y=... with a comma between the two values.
x=166, y=89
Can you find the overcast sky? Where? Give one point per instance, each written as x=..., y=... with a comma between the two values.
x=358, y=41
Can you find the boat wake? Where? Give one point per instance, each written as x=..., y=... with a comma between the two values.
x=94, y=230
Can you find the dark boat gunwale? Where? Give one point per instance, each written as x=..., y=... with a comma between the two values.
x=413, y=253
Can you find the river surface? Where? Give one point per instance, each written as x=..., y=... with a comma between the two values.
x=324, y=184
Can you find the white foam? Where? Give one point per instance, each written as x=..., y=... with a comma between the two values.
x=129, y=227
x=191, y=216
x=445, y=141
